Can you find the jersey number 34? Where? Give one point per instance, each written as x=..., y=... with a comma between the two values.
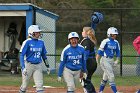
x=76, y=62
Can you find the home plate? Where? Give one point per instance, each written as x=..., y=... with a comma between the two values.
x=44, y=86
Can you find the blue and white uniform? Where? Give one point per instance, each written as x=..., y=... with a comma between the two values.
x=72, y=62
x=108, y=48
x=34, y=50
x=31, y=54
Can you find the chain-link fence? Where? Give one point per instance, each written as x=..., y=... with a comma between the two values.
x=125, y=20
x=56, y=38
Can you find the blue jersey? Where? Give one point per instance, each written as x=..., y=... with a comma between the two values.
x=32, y=50
x=109, y=47
x=72, y=58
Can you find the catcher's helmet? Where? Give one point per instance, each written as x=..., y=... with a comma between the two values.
x=111, y=30
x=97, y=17
x=32, y=29
x=73, y=34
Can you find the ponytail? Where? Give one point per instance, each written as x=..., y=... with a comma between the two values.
x=91, y=34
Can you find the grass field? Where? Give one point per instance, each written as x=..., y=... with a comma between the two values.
x=6, y=79
x=51, y=80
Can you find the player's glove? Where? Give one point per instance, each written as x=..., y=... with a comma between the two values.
x=24, y=72
x=82, y=78
x=116, y=62
x=85, y=75
x=47, y=65
x=59, y=79
x=48, y=70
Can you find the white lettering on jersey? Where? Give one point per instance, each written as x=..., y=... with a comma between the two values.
x=75, y=57
x=111, y=47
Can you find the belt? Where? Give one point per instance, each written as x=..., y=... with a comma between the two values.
x=33, y=63
x=73, y=69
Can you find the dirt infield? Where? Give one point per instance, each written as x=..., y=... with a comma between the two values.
x=14, y=89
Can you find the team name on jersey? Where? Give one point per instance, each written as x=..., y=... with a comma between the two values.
x=111, y=47
x=35, y=49
x=75, y=57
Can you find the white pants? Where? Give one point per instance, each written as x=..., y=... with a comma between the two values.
x=34, y=70
x=71, y=78
x=107, y=67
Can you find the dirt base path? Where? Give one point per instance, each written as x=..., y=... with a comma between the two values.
x=14, y=89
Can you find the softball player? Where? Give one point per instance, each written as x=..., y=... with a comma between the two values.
x=106, y=51
x=89, y=41
x=72, y=62
x=31, y=53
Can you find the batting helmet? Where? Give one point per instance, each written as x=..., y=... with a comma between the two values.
x=111, y=30
x=97, y=17
x=32, y=29
x=73, y=34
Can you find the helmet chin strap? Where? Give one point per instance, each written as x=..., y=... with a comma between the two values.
x=33, y=36
x=111, y=35
x=41, y=35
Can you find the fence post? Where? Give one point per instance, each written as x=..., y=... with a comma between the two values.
x=121, y=43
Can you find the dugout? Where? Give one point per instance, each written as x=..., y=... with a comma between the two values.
x=18, y=17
